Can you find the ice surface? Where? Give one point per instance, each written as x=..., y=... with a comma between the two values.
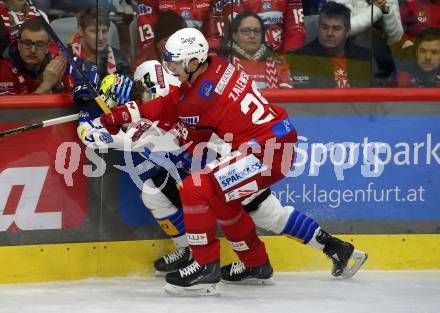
x=305, y=292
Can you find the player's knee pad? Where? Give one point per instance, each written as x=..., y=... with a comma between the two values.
x=271, y=215
x=169, y=217
x=156, y=201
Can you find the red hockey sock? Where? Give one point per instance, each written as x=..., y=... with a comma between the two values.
x=239, y=229
x=200, y=223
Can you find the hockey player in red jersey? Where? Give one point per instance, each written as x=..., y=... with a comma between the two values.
x=283, y=20
x=215, y=98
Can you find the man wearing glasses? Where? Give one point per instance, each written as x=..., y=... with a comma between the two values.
x=28, y=67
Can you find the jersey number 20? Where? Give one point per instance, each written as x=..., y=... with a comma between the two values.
x=258, y=101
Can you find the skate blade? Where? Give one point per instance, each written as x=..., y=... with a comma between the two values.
x=158, y=273
x=251, y=282
x=359, y=258
x=193, y=291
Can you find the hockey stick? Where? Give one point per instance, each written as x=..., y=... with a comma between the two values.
x=54, y=121
x=71, y=61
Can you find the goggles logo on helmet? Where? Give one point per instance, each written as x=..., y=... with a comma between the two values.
x=190, y=40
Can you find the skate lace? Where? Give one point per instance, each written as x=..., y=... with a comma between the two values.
x=190, y=269
x=174, y=256
x=237, y=268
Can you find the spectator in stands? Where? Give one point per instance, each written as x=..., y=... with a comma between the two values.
x=250, y=53
x=283, y=21
x=312, y=7
x=29, y=67
x=375, y=25
x=198, y=14
x=91, y=46
x=13, y=14
x=167, y=23
x=76, y=6
x=382, y=14
x=333, y=59
x=419, y=15
x=424, y=69
x=43, y=4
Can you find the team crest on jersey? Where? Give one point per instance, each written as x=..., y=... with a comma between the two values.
x=206, y=89
x=242, y=191
x=143, y=9
x=421, y=17
x=266, y=5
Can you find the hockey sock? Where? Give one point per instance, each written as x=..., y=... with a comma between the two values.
x=173, y=226
x=300, y=226
x=241, y=233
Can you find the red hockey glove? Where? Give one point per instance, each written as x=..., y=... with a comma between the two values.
x=112, y=129
x=120, y=115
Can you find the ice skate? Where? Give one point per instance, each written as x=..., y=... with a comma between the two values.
x=238, y=273
x=172, y=261
x=341, y=252
x=194, y=280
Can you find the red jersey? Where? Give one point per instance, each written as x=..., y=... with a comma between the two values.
x=222, y=100
x=418, y=15
x=283, y=19
x=14, y=81
x=195, y=12
x=12, y=20
x=266, y=73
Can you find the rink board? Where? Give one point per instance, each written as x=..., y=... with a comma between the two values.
x=98, y=226
x=36, y=263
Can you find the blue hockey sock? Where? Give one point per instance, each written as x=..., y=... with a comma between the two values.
x=173, y=224
x=300, y=226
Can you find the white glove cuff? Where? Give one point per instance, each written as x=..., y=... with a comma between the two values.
x=133, y=109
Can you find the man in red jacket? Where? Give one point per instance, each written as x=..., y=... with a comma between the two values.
x=154, y=23
x=215, y=99
x=419, y=15
x=30, y=68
